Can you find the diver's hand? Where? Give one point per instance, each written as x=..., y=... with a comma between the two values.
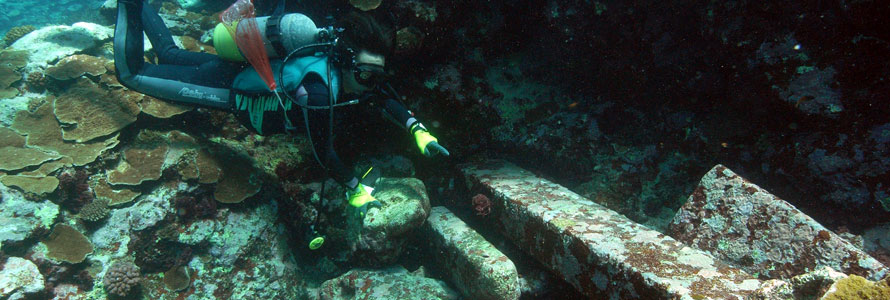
x=361, y=211
x=360, y=198
x=434, y=148
x=426, y=142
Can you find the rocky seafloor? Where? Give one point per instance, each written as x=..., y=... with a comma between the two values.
x=107, y=193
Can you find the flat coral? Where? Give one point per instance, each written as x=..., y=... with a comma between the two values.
x=177, y=278
x=239, y=180
x=75, y=66
x=50, y=167
x=203, y=166
x=43, y=131
x=162, y=109
x=114, y=196
x=139, y=165
x=93, y=112
x=38, y=185
x=10, y=138
x=67, y=244
x=16, y=158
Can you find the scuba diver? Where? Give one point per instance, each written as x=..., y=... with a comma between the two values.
x=313, y=67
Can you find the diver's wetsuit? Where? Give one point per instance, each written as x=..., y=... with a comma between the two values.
x=203, y=79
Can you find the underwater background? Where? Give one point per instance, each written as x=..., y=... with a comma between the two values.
x=599, y=150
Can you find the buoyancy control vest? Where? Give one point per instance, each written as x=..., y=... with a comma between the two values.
x=252, y=94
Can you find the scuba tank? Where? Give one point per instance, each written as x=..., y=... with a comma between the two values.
x=282, y=34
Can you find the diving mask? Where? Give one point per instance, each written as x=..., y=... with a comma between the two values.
x=369, y=75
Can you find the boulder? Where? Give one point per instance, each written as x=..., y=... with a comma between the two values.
x=394, y=282
x=18, y=278
x=52, y=43
x=20, y=217
x=743, y=224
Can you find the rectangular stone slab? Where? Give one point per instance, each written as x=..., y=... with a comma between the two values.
x=745, y=225
x=600, y=252
x=479, y=270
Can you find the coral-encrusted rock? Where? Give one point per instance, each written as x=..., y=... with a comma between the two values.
x=383, y=233
x=394, y=282
x=20, y=217
x=405, y=206
x=806, y=286
x=478, y=269
x=741, y=223
x=597, y=250
x=19, y=278
x=51, y=43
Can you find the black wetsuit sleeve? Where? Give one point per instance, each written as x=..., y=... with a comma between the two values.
x=319, y=130
x=397, y=111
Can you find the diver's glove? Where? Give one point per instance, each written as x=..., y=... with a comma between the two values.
x=360, y=197
x=426, y=142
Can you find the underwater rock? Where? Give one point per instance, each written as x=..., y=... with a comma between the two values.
x=394, y=282
x=20, y=217
x=247, y=257
x=67, y=244
x=380, y=238
x=479, y=270
x=365, y=5
x=236, y=232
x=856, y=287
x=813, y=94
x=591, y=246
x=405, y=206
x=811, y=285
x=151, y=209
x=10, y=106
x=19, y=277
x=747, y=226
x=49, y=44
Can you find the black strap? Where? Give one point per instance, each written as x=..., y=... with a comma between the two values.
x=273, y=34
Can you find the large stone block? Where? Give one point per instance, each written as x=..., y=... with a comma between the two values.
x=600, y=252
x=478, y=269
x=743, y=224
